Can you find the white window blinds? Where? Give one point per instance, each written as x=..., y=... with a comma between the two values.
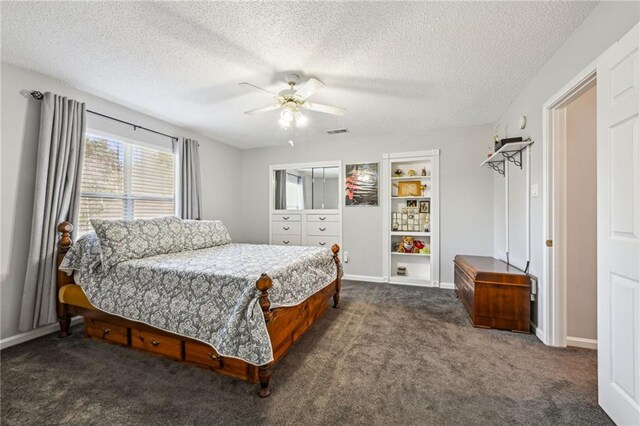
x=125, y=181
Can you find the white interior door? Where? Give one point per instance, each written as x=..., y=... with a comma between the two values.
x=618, y=93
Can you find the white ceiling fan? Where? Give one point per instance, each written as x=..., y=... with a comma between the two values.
x=292, y=101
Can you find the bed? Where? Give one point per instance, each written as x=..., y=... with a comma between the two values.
x=235, y=309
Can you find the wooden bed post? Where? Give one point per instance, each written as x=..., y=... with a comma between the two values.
x=64, y=317
x=263, y=284
x=336, y=296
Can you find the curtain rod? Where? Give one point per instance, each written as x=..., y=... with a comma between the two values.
x=39, y=96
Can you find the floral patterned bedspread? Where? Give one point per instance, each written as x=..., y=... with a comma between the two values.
x=208, y=294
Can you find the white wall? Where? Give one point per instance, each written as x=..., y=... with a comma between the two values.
x=20, y=124
x=606, y=24
x=466, y=192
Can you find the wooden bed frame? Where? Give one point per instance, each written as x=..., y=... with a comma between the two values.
x=285, y=326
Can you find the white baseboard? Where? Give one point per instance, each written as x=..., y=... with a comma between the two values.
x=447, y=286
x=540, y=335
x=33, y=334
x=579, y=342
x=363, y=278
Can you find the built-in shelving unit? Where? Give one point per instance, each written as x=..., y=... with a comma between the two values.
x=306, y=204
x=402, y=219
x=510, y=152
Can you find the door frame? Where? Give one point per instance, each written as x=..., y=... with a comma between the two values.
x=554, y=296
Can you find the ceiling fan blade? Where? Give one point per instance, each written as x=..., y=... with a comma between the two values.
x=309, y=88
x=327, y=109
x=268, y=92
x=263, y=109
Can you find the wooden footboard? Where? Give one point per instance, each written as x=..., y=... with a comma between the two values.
x=285, y=326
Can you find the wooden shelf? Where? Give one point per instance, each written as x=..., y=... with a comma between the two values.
x=408, y=280
x=509, y=152
x=393, y=253
x=411, y=233
x=412, y=178
x=411, y=198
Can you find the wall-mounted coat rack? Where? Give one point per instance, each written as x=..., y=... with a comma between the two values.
x=510, y=152
x=498, y=161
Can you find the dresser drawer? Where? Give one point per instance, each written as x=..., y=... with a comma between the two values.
x=205, y=356
x=322, y=241
x=160, y=344
x=287, y=217
x=323, y=218
x=202, y=354
x=105, y=331
x=328, y=228
x=285, y=228
x=285, y=240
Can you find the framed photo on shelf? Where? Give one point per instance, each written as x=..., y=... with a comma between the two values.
x=410, y=188
x=361, y=184
x=425, y=206
x=413, y=203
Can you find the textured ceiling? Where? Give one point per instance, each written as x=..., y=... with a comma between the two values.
x=397, y=67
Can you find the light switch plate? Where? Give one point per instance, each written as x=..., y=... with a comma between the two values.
x=534, y=190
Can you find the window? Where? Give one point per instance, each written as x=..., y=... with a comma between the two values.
x=125, y=181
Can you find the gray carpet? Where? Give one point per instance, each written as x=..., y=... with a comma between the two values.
x=390, y=355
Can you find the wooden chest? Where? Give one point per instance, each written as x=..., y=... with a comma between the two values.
x=495, y=294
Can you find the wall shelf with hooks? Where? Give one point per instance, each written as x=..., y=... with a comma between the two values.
x=510, y=152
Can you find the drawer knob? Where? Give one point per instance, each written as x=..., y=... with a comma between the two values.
x=105, y=331
x=154, y=342
x=322, y=218
x=286, y=242
x=285, y=217
x=286, y=228
x=322, y=229
x=322, y=243
x=214, y=356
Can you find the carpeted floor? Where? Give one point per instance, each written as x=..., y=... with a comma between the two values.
x=390, y=355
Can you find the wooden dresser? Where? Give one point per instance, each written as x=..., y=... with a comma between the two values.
x=495, y=294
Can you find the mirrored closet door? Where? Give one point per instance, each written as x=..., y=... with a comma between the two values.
x=305, y=202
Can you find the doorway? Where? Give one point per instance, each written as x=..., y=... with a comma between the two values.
x=581, y=219
x=571, y=220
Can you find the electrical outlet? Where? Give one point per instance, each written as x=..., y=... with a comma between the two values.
x=346, y=257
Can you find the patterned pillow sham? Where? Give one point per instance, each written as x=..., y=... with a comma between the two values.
x=83, y=255
x=199, y=234
x=122, y=240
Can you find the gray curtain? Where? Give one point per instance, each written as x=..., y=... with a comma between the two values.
x=189, y=205
x=57, y=199
x=281, y=190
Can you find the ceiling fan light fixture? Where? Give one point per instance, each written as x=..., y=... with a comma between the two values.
x=286, y=115
x=284, y=123
x=301, y=120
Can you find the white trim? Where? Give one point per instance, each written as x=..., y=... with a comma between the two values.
x=34, y=334
x=540, y=334
x=447, y=286
x=366, y=278
x=553, y=303
x=579, y=342
x=409, y=154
